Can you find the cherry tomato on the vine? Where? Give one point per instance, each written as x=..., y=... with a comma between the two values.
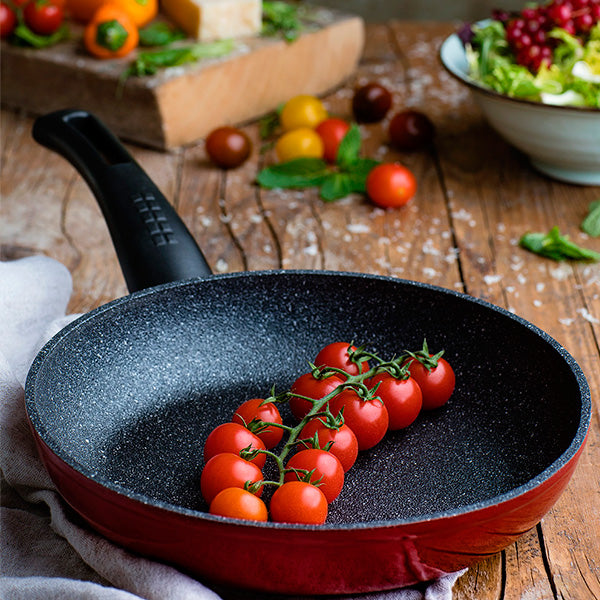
x=390, y=185
x=402, y=398
x=43, y=17
x=233, y=437
x=437, y=384
x=410, y=130
x=332, y=132
x=302, y=111
x=299, y=502
x=8, y=20
x=237, y=503
x=227, y=470
x=309, y=386
x=371, y=103
x=228, y=147
x=344, y=444
x=328, y=472
x=299, y=143
x=368, y=419
x=268, y=412
x=336, y=355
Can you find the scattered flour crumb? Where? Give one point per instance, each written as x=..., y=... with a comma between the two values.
x=221, y=265
x=562, y=272
x=491, y=279
x=587, y=316
x=566, y=321
x=312, y=250
x=540, y=287
x=358, y=228
x=538, y=303
x=429, y=272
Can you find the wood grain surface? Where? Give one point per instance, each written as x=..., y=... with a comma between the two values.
x=476, y=197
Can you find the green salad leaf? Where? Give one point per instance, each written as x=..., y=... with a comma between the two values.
x=492, y=64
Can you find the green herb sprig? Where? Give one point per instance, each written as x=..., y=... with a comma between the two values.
x=348, y=174
x=557, y=247
x=591, y=223
x=280, y=19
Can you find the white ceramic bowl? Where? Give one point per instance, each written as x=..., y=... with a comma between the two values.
x=561, y=141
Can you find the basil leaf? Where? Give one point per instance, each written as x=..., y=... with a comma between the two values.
x=159, y=34
x=280, y=18
x=591, y=224
x=555, y=246
x=349, y=147
x=297, y=173
x=336, y=186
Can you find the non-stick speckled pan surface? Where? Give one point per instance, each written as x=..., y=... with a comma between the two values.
x=122, y=400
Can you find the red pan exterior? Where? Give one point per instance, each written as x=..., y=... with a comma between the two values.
x=302, y=559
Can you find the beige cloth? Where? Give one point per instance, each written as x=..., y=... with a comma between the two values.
x=46, y=553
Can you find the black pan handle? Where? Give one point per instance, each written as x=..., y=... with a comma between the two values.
x=152, y=243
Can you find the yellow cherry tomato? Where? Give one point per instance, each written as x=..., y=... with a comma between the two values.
x=302, y=111
x=299, y=143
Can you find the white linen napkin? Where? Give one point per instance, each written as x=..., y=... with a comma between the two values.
x=46, y=553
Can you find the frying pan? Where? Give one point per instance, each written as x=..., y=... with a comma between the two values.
x=121, y=401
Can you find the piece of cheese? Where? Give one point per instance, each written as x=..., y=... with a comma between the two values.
x=210, y=20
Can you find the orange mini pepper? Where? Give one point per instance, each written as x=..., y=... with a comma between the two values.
x=111, y=33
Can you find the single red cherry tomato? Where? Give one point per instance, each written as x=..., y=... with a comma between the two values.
x=437, y=384
x=328, y=473
x=233, y=437
x=343, y=442
x=237, y=503
x=8, y=20
x=371, y=102
x=368, y=419
x=390, y=185
x=43, y=16
x=410, y=130
x=227, y=470
x=268, y=412
x=337, y=355
x=310, y=387
x=332, y=132
x=298, y=502
x=402, y=398
x=228, y=147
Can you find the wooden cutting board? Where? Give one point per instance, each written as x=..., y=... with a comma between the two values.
x=180, y=105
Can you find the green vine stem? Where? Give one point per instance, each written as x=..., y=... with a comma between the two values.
x=396, y=367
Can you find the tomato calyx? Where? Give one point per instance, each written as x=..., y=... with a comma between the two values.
x=429, y=361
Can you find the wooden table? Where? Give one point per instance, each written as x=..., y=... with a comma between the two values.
x=476, y=197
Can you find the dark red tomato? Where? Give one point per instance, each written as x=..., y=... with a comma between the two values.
x=328, y=472
x=336, y=355
x=228, y=147
x=402, y=398
x=233, y=437
x=237, y=503
x=332, y=132
x=227, y=470
x=436, y=384
x=410, y=130
x=343, y=442
x=390, y=185
x=43, y=17
x=371, y=103
x=310, y=387
x=8, y=20
x=269, y=413
x=368, y=419
x=298, y=502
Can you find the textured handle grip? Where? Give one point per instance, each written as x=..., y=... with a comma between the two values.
x=152, y=243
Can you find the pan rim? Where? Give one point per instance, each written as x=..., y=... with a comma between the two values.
x=545, y=475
